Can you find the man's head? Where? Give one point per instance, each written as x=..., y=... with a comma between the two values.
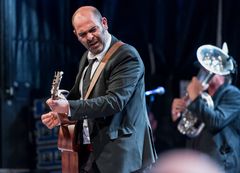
x=90, y=28
x=185, y=161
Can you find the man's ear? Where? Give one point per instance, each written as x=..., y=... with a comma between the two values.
x=74, y=31
x=104, y=22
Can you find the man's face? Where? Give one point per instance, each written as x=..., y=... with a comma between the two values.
x=217, y=80
x=91, y=32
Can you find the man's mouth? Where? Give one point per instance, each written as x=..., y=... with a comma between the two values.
x=92, y=44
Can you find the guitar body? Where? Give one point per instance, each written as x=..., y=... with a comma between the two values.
x=67, y=144
x=67, y=140
x=70, y=162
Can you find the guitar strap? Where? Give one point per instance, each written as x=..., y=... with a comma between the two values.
x=101, y=67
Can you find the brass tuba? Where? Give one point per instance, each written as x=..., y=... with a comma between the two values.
x=213, y=60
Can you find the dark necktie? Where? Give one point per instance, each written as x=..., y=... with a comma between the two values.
x=86, y=78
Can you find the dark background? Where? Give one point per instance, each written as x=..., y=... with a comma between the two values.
x=36, y=39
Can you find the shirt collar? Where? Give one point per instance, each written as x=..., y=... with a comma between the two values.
x=101, y=55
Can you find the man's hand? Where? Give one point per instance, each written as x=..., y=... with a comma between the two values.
x=59, y=106
x=50, y=119
x=178, y=106
x=194, y=88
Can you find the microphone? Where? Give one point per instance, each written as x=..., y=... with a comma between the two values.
x=159, y=90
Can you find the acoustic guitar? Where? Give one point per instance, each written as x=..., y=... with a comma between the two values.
x=67, y=136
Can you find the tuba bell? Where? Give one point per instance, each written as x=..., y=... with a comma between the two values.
x=213, y=60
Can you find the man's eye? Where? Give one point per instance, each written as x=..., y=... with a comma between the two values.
x=93, y=29
x=81, y=34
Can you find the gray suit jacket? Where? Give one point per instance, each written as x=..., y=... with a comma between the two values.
x=121, y=137
x=221, y=137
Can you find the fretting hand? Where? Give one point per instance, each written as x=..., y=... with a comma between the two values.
x=59, y=106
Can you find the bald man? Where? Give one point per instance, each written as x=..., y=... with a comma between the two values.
x=113, y=120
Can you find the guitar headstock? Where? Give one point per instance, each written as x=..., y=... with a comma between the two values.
x=55, y=84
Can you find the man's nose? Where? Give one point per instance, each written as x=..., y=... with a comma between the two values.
x=89, y=36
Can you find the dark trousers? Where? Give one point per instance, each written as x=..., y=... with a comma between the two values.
x=93, y=169
x=89, y=165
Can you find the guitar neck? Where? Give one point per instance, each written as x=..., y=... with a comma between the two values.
x=55, y=84
x=54, y=97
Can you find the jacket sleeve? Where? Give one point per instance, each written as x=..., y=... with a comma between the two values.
x=225, y=111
